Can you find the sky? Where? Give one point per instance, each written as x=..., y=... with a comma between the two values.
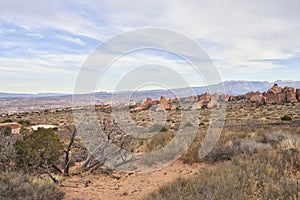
x=44, y=44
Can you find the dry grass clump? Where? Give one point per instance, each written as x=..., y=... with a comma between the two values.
x=192, y=154
x=254, y=166
x=265, y=175
x=290, y=142
x=15, y=186
x=249, y=147
x=228, y=146
x=158, y=141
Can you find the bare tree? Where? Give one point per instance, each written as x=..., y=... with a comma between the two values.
x=68, y=150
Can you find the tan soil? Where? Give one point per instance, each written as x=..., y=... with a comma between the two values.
x=134, y=186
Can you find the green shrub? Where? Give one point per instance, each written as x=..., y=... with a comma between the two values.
x=7, y=121
x=5, y=131
x=25, y=131
x=7, y=152
x=41, y=149
x=24, y=122
x=14, y=186
x=163, y=129
x=286, y=118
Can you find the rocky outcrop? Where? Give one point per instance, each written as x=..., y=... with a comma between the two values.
x=290, y=95
x=214, y=101
x=136, y=109
x=173, y=107
x=163, y=104
x=146, y=105
x=256, y=97
x=275, y=95
x=278, y=95
x=173, y=101
x=208, y=101
x=298, y=94
x=202, y=101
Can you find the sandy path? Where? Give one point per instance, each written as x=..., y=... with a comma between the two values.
x=134, y=186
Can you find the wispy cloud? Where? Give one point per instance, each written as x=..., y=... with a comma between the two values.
x=246, y=39
x=73, y=40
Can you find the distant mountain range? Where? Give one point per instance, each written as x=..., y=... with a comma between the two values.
x=242, y=87
x=24, y=95
x=231, y=88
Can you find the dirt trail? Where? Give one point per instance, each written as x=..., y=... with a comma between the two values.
x=134, y=186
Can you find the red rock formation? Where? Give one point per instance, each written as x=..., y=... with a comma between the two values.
x=298, y=94
x=257, y=97
x=275, y=95
x=137, y=109
x=176, y=100
x=214, y=101
x=290, y=96
x=249, y=95
x=203, y=101
x=163, y=104
x=147, y=104
x=174, y=107
x=278, y=95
